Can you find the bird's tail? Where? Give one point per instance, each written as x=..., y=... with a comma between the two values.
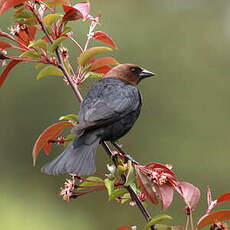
x=77, y=158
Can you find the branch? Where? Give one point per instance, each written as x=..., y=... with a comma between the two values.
x=60, y=60
x=6, y=35
x=134, y=196
x=77, y=93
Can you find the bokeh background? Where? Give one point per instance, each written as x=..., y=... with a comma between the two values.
x=184, y=121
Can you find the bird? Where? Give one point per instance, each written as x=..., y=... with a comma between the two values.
x=107, y=113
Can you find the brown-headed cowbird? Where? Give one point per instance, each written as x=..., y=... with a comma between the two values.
x=107, y=113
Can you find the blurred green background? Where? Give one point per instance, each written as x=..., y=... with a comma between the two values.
x=184, y=121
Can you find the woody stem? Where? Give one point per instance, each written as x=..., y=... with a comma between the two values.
x=134, y=196
x=60, y=60
x=77, y=93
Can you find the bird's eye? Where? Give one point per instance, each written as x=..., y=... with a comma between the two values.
x=136, y=70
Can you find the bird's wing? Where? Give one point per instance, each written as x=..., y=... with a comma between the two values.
x=107, y=102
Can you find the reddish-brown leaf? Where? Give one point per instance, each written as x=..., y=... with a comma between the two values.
x=146, y=186
x=7, y=4
x=4, y=45
x=100, y=62
x=26, y=36
x=6, y=71
x=190, y=193
x=166, y=195
x=84, y=8
x=153, y=166
x=103, y=69
x=124, y=227
x=71, y=14
x=80, y=10
x=212, y=218
x=224, y=197
x=48, y=145
x=48, y=134
x=104, y=37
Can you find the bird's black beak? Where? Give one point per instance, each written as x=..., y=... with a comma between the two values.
x=145, y=73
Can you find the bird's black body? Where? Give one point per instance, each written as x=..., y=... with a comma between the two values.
x=107, y=113
x=110, y=108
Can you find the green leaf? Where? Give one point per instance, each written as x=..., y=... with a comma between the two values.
x=117, y=192
x=93, y=75
x=131, y=175
x=31, y=54
x=39, y=44
x=23, y=14
x=92, y=180
x=109, y=184
x=122, y=168
x=49, y=71
x=50, y=18
x=40, y=65
x=56, y=43
x=72, y=117
x=125, y=198
x=157, y=219
x=89, y=53
x=67, y=29
x=29, y=21
x=164, y=227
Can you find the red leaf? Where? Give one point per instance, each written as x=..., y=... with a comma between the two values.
x=7, y=4
x=100, y=62
x=103, y=69
x=48, y=134
x=213, y=218
x=25, y=36
x=80, y=10
x=190, y=193
x=166, y=193
x=224, y=197
x=154, y=166
x=4, y=45
x=124, y=227
x=146, y=186
x=48, y=145
x=6, y=71
x=84, y=8
x=47, y=148
x=71, y=14
x=32, y=32
x=104, y=37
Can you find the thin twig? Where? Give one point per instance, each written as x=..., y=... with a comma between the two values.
x=77, y=93
x=60, y=60
x=187, y=222
x=77, y=44
x=6, y=35
x=191, y=220
x=125, y=154
x=130, y=190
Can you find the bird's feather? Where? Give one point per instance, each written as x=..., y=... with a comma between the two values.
x=105, y=104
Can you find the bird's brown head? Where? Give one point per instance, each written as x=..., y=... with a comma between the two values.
x=130, y=73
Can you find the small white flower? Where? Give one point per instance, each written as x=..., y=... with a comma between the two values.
x=14, y=29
